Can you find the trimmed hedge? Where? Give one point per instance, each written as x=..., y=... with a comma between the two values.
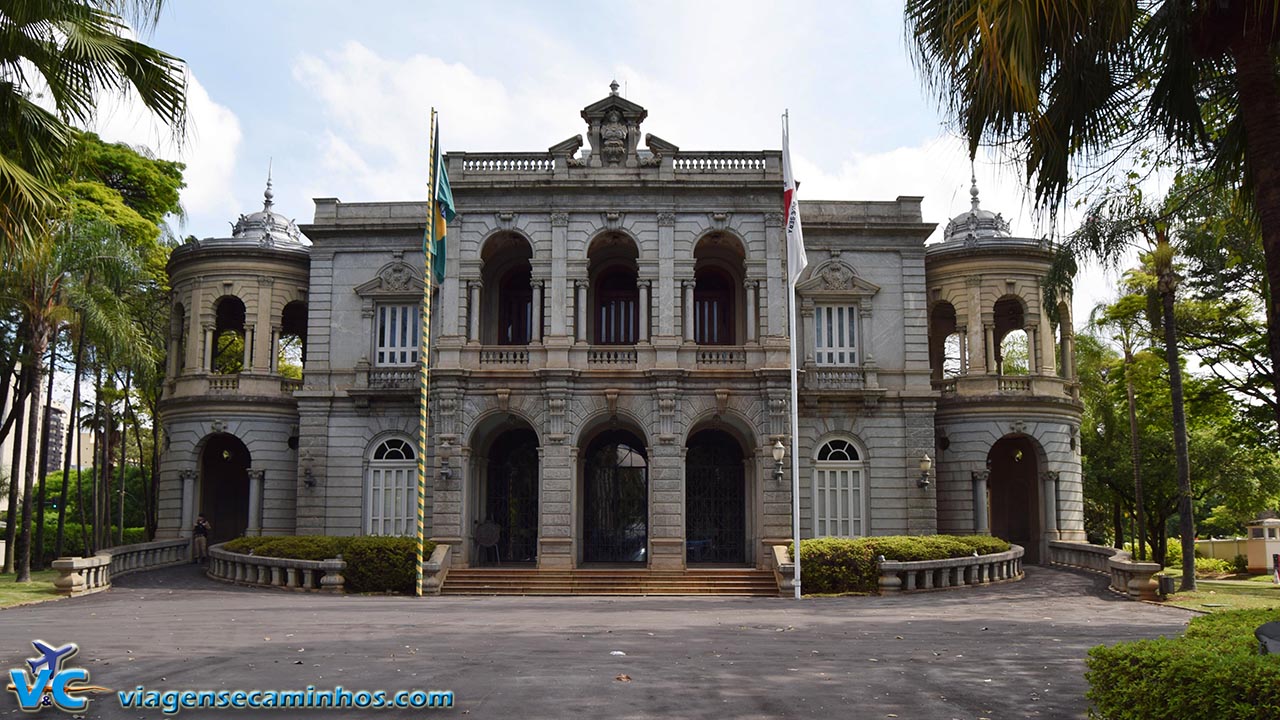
x=1214, y=671
x=383, y=564
x=73, y=540
x=845, y=565
x=1212, y=567
x=374, y=564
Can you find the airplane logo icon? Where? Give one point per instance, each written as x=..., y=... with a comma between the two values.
x=51, y=657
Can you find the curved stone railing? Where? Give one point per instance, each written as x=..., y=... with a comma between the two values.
x=1128, y=576
x=84, y=575
x=276, y=572
x=435, y=570
x=898, y=576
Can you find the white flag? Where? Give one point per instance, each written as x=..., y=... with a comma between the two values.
x=796, y=259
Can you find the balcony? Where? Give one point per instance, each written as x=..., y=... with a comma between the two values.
x=843, y=382
x=722, y=357
x=504, y=357
x=984, y=387
x=248, y=386
x=604, y=355
x=393, y=378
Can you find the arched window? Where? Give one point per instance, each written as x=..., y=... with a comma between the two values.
x=839, y=496
x=292, y=352
x=392, y=488
x=228, y=336
x=617, y=312
x=515, y=307
x=179, y=336
x=713, y=318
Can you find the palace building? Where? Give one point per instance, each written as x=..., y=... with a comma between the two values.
x=610, y=367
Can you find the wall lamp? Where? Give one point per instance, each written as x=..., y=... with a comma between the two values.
x=779, y=452
x=926, y=464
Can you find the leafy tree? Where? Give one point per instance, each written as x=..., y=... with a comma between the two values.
x=69, y=53
x=1075, y=88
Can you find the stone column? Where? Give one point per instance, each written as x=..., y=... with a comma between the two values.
x=752, y=306
x=866, y=357
x=559, y=291
x=644, y=310
x=248, y=348
x=194, y=349
x=1032, y=335
x=1050, y=488
x=580, y=329
x=981, y=524
x=806, y=329
x=188, y=501
x=207, y=348
x=535, y=332
x=666, y=274
x=255, y=502
x=688, y=310
x=473, y=308
x=264, y=320
x=274, y=361
x=977, y=357
x=964, y=350
x=990, y=332
x=557, y=506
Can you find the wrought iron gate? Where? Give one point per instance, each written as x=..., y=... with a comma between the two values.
x=715, y=499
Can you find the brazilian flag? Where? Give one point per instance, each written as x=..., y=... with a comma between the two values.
x=444, y=212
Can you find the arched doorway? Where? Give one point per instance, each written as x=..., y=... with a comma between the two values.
x=715, y=512
x=510, y=499
x=224, y=486
x=1014, y=493
x=615, y=499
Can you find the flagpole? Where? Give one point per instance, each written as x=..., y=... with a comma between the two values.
x=795, y=404
x=424, y=349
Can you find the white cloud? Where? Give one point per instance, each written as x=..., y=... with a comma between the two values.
x=209, y=148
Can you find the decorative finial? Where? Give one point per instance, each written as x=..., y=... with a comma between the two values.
x=613, y=88
x=973, y=188
x=267, y=195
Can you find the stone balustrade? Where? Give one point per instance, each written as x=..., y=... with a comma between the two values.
x=784, y=570
x=722, y=356
x=605, y=355
x=435, y=570
x=504, y=356
x=1128, y=576
x=898, y=576
x=514, y=162
x=84, y=575
x=719, y=162
x=276, y=572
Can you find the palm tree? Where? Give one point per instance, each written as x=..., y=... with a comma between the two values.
x=69, y=52
x=45, y=277
x=1121, y=221
x=1122, y=316
x=1075, y=88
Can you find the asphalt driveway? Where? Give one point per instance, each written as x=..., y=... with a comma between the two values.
x=1004, y=651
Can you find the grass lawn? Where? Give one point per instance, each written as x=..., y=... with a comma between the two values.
x=40, y=588
x=1220, y=596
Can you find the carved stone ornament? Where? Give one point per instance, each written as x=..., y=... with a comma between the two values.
x=613, y=139
x=981, y=475
x=218, y=426
x=397, y=277
x=559, y=219
x=666, y=219
x=837, y=276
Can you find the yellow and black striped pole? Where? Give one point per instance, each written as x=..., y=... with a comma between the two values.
x=424, y=349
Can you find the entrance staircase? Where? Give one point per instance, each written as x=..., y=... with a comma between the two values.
x=610, y=581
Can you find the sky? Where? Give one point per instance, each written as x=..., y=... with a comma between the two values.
x=334, y=96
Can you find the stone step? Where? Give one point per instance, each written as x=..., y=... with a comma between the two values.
x=610, y=581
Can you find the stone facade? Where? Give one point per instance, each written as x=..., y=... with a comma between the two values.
x=610, y=365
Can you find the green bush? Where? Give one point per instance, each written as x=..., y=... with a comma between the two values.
x=383, y=564
x=1172, y=554
x=837, y=565
x=840, y=565
x=73, y=540
x=248, y=545
x=1240, y=565
x=1212, y=567
x=985, y=544
x=303, y=547
x=374, y=564
x=1214, y=671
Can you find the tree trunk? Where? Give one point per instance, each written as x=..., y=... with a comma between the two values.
x=73, y=438
x=1135, y=454
x=124, y=457
x=1260, y=114
x=1186, y=520
x=11, y=516
x=98, y=462
x=1117, y=521
x=38, y=560
x=39, y=343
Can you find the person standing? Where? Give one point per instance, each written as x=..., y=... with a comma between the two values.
x=200, y=539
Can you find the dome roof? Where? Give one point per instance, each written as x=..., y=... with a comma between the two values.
x=267, y=227
x=976, y=224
